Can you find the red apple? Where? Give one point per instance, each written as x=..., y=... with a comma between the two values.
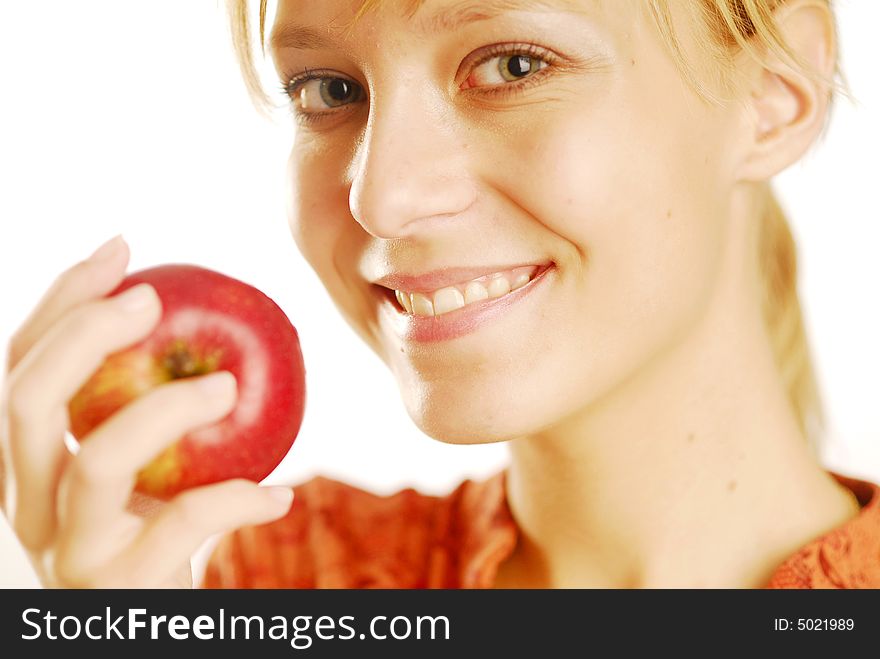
x=209, y=322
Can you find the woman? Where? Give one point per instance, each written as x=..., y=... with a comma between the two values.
x=553, y=222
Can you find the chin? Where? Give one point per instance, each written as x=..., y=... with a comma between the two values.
x=451, y=429
x=467, y=419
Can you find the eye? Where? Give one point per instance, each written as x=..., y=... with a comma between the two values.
x=504, y=64
x=314, y=94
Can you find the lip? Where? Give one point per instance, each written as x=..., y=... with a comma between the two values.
x=437, y=279
x=454, y=324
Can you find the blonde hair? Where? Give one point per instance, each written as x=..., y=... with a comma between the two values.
x=735, y=26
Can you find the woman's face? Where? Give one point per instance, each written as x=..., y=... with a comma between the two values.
x=562, y=136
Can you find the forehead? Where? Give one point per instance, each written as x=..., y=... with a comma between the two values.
x=297, y=20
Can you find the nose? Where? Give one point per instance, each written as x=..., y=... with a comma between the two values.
x=409, y=169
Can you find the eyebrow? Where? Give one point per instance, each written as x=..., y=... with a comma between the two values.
x=450, y=19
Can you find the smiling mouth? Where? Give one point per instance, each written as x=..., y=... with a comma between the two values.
x=452, y=298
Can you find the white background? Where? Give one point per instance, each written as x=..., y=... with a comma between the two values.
x=131, y=117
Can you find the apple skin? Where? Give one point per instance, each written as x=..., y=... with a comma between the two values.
x=210, y=322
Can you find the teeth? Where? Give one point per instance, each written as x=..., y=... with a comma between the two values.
x=421, y=305
x=447, y=299
x=474, y=292
x=455, y=297
x=519, y=282
x=498, y=287
x=404, y=300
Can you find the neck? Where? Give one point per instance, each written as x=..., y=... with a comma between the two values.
x=693, y=474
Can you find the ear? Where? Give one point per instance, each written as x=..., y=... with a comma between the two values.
x=787, y=108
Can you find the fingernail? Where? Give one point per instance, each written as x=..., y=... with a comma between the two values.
x=135, y=298
x=107, y=250
x=281, y=494
x=221, y=382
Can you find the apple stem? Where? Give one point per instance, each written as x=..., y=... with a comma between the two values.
x=181, y=364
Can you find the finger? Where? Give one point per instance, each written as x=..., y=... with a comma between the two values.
x=38, y=389
x=91, y=278
x=100, y=479
x=144, y=505
x=174, y=535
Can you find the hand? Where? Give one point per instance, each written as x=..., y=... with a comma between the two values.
x=76, y=516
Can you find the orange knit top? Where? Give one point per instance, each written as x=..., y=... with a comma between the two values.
x=339, y=536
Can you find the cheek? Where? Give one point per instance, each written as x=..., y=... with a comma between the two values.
x=330, y=240
x=317, y=214
x=307, y=202
x=626, y=190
